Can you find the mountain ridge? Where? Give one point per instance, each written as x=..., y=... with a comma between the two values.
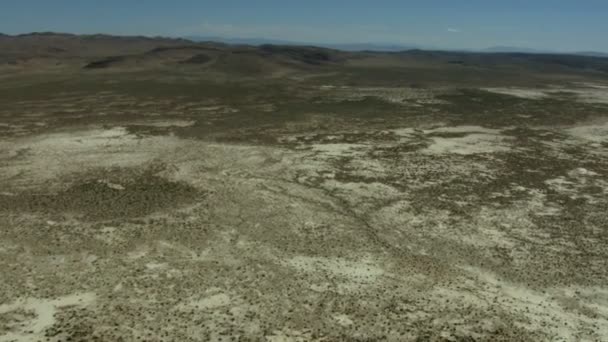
x=104, y=52
x=349, y=47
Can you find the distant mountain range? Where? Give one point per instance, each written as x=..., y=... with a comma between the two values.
x=258, y=57
x=593, y=54
x=344, y=47
x=50, y=42
x=511, y=49
x=387, y=47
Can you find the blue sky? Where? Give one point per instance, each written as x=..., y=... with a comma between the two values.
x=574, y=25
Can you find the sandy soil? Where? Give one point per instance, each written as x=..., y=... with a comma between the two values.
x=584, y=92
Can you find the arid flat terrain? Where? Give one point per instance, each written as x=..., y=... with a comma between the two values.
x=161, y=190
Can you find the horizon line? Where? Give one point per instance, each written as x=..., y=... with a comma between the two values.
x=406, y=46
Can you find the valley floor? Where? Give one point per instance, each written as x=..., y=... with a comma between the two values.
x=336, y=213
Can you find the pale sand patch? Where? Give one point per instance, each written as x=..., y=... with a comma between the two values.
x=44, y=310
x=404, y=132
x=547, y=310
x=343, y=320
x=153, y=266
x=363, y=270
x=590, y=93
x=471, y=144
x=463, y=129
x=534, y=94
x=582, y=172
x=111, y=185
x=491, y=227
x=596, y=95
x=207, y=303
x=109, y=235
x=213, y=302
x=574, y=183
x=137, y=253
x=165, y=123
x=592, y=85
x=507, y=227
x=362, y=195
x=477, y=139
x=289, y=335
x=595, y=133
x=538, y=205
x=368, y=168
x=339, y=150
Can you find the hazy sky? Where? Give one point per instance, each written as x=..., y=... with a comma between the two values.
x=565, y=25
